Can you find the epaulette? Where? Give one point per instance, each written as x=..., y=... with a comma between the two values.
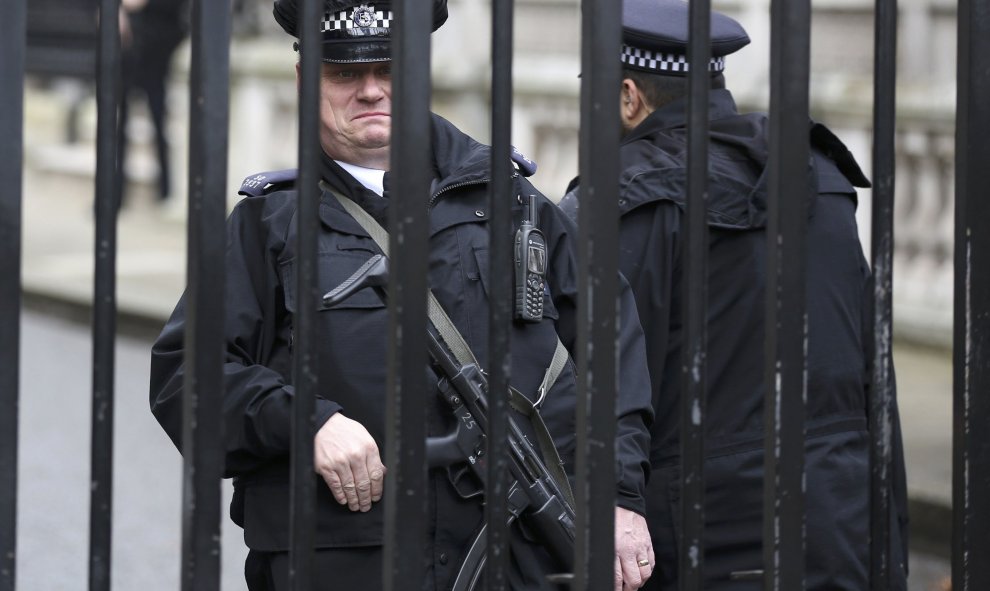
x=263, y=183
x=526, y=166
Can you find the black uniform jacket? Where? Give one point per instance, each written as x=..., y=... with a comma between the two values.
x=651, y=202
x=261, y=259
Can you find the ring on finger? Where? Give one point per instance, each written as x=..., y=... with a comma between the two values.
x=644, y=562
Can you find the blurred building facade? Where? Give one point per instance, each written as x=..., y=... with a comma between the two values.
x=546, y=113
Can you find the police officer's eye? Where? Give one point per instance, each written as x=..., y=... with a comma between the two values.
x=385, y=72
x=341, y=75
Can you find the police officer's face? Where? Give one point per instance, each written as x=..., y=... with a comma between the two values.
x=356, y=112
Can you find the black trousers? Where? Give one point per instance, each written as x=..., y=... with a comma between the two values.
x=351, y=569
x=269, y=571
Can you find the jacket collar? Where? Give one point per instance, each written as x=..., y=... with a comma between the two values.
x=674, y=114
x=457, y=160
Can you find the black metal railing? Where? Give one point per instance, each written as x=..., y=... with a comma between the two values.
x=405, y=525
x=202, y=434
x=971, y=344
x=500, y=271
x=881, y=392
x=405, y=421
x=786, y=317
x=13, y=29
x=107, y=198
x=694, y=366
x=304, y=371
x=598, y=253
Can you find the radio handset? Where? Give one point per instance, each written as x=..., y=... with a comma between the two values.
x=531, y=267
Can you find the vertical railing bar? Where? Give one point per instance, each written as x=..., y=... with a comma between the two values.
x=500, y=310
x=302, y=505
x=881, y=400
x=693, y=365
x=787, y=322
x=202, y=435
x=13, y=34
x=104, y=298
x=971, y=377
x=405, y=415
x=598, y=232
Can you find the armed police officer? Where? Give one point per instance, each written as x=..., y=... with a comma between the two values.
x=653, y=187
x=355, y=113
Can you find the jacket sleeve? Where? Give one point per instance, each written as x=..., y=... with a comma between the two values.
x=257, y=394
x=634, y=412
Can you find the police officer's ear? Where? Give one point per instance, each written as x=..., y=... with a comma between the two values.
x=633, y=106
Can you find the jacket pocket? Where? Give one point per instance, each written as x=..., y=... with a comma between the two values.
x=333, y=269
x=481, y=273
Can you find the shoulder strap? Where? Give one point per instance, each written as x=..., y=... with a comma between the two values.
x=448, y=332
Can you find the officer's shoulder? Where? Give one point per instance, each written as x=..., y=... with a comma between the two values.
x=265, y=183
x=838, y=171
x=525, y=166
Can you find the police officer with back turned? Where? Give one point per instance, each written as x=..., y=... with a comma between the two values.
x=653, y=190
x=355, y=114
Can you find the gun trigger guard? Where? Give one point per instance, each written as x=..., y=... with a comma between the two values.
x=460, y=477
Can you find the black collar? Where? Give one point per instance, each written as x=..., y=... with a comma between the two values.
x=674, y=114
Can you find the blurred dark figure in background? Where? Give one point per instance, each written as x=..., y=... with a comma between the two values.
x=150, y=32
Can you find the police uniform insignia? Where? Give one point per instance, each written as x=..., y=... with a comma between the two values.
x=364, y=16
x=525, y=166
x=263, y=183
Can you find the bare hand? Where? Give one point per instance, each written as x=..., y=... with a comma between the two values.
x=347, y=458
x=634, y=559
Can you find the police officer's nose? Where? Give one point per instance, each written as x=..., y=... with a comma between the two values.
x=371, y=88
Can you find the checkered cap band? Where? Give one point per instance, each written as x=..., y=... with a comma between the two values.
x=664, y=62
x=361, y=17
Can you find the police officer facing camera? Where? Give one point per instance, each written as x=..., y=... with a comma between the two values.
x=355, y=114
x=653, y=189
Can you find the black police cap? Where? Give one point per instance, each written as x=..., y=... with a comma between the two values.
x=655, y=37
x=353, y=31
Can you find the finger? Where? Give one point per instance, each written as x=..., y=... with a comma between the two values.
x=362, y=484
x=618, y=575
x=645, y=571
x=348, y=486
x=631, y=572
x=376, y=472
x=333, y=483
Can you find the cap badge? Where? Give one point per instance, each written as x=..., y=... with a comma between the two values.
x=364, y=16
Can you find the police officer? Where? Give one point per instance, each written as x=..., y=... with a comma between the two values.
x=261, y=303
x=653, y=106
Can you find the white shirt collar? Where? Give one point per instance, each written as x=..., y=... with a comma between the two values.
x=371, y=178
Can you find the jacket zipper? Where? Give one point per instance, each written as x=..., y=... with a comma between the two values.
x=436, y=196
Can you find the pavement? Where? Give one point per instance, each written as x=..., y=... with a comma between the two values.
x=58, y=245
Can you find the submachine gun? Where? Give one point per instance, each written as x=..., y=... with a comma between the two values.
x=535, y=498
